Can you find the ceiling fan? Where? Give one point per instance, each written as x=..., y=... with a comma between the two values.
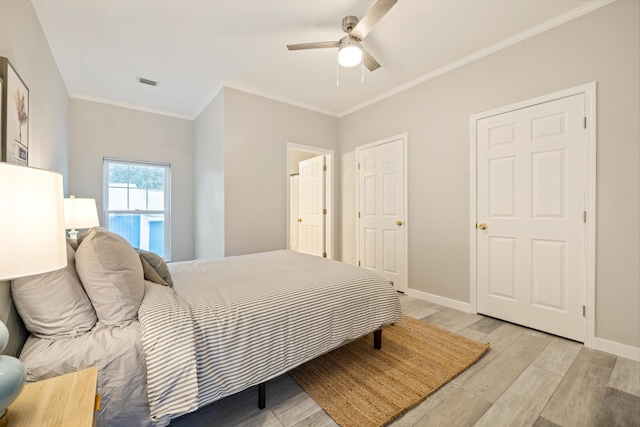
x=350, y=51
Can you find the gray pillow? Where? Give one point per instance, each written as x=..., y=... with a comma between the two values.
x=156, y=262
x=73, y=243
x=111, y=274
x=151, y=274
x=54, y=305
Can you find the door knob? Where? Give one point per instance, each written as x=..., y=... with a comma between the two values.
x=299, y=219
x=399, y=223
x=482, y=226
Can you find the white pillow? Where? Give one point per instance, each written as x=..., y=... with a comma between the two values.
x=112, y=276
x=54, y=305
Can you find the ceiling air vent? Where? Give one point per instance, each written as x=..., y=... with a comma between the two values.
x=147, y=81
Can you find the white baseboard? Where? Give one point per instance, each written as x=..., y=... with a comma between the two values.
x=451, y=303
x=601, y=344
x=617, y=349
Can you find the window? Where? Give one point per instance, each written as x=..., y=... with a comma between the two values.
x=137, y=203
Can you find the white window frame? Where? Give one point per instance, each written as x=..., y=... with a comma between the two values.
x=106, y=161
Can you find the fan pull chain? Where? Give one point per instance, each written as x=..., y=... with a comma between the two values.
x=362, y=68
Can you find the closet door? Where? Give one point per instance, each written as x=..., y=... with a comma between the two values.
x=381, y=210
x=531, y=166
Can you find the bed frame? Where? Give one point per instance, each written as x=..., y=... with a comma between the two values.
x=262, y=387
x=18, y=333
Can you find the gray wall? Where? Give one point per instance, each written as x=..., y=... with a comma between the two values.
x=23, y=42
x=209, y=180
x=602, y=46
x=237, y=147
x=257, y=131
x=98, y=130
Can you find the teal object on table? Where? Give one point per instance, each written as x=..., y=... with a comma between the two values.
x=12, y=374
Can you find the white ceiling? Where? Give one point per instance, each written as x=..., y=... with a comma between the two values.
x=194, y=47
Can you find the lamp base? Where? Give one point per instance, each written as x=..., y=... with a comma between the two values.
x=4, y=420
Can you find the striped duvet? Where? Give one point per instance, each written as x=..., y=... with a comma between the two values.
x=239, y=321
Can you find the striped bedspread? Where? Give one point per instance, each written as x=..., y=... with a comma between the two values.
x=253, y=317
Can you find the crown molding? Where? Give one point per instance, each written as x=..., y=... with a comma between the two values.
x=111, y=102
x=545, y=26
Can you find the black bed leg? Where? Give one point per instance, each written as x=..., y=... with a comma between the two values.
x=262, y=395
x=377, y=339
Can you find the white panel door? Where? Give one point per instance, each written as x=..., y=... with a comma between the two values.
x=311, y=198
x=381, y=211
x=530, y=205
x=294, y=206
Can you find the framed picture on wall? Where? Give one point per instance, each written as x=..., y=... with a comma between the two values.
x=14, y=111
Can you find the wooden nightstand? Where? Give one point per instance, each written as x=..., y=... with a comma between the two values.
x=67, y=400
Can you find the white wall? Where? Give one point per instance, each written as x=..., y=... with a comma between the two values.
x=209, y=180
x=97, y=130
x=257, y=131
x=602, y=46
x=23, y=42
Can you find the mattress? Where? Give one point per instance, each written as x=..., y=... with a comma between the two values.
x=226, y=325
x=244, y=320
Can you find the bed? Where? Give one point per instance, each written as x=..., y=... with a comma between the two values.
x=211, y=329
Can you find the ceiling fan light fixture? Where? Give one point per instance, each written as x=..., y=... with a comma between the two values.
x=349, y=53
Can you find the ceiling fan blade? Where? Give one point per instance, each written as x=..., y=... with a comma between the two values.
x=372, y=17
x=317, y=45
x=369, y=61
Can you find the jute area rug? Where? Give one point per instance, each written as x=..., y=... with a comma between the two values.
x=359, y=386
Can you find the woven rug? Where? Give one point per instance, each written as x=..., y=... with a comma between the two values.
x=360, y=386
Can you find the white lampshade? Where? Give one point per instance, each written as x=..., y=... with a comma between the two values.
x=80, y=213
x=350, y=53
x=31, y=221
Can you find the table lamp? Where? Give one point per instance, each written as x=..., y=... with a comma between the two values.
x=79, y=213
x=32, y=241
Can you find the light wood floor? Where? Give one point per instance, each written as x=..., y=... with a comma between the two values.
x=527, y=378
